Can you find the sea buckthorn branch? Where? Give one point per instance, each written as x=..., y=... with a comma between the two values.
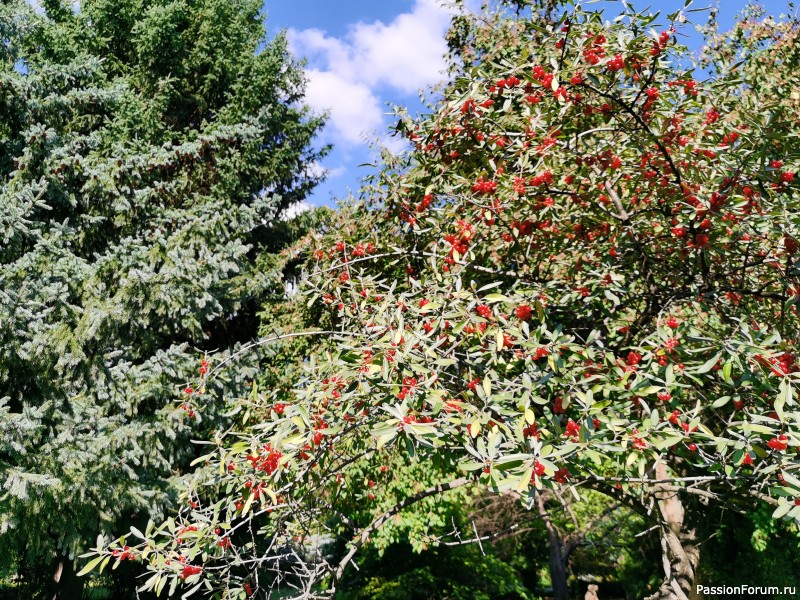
x=644, y=126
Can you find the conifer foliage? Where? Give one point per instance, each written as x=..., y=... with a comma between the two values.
x=146, y=149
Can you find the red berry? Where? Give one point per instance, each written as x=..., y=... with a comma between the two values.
x=484, y=311
x=572, y=429
x=190, y=570
x=779, y=443
x=523, y=312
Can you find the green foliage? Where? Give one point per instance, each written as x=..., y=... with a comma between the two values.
x=753, y=546
x=456, y=573
x=283, y=314
x=146, y=151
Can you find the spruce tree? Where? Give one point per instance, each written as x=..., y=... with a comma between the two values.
x=148, y=148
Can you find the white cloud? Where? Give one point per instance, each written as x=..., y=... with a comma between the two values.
x=394, y=144
x=295, y=209
x=407, y=54
x=353, y=107
x=315, y=169
x=348, y=75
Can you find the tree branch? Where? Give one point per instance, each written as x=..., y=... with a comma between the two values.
x=363, y=538
x=644, y=126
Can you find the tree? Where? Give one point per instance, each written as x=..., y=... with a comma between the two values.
x=149, y=149
x=584, y=277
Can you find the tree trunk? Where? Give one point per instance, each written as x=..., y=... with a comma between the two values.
x=558, y=554
x=679, y=547
x=558, y=574
x=681, y=556
x=64, y=584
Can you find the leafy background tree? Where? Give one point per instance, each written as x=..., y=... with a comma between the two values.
x=149, y=150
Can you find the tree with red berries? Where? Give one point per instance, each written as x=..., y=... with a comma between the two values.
x=583, y=277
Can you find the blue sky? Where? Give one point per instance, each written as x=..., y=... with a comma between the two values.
x=363, y=55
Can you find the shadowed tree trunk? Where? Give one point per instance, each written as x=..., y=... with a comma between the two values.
x=64, y=584
x=560, y=550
